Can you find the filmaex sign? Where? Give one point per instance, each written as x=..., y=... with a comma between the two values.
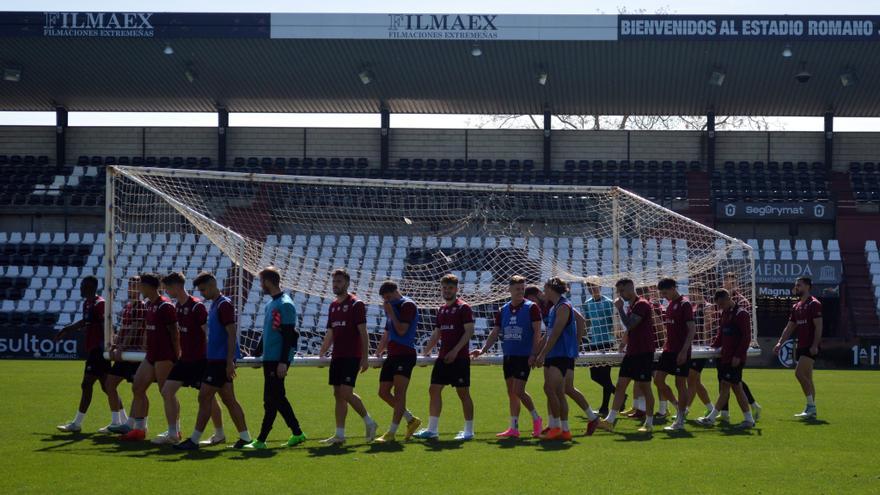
x=743, y=210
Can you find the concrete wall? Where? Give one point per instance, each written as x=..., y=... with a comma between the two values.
x=28, y=140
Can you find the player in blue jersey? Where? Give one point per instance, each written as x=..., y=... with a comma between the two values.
x=599, y=310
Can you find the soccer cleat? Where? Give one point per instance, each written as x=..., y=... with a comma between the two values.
x=295, y=440
x=70, y=428
x=745, y=425
x=638, y=414
x=120, y=429
x=603, y=411
x=660, y=418
x=106, y=429
x=605, y=425
x=725, y=416
x=214, y=440
x=591, y=426
x=552, y=434
x=164, y=438
x=412, y=426
x=386, y=437
x=629, y=412
x=646, y=428
x=463, y=436
x=255, y=445
x=565, y=436
x=240, y=443
x=134, y=436
x=809, y=413
x=187, y=444
x=706, y=421
x=370, y=433
x=334, y=440
x=756, y=411
x=536, y=427
x=543, y=432
x=426, y=435
x=508, y=433
x=676, y=426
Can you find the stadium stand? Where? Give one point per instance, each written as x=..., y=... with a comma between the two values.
x=757, y=181
x=873, y=258
x=865, y=178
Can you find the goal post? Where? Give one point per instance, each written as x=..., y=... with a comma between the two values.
x=235, y=224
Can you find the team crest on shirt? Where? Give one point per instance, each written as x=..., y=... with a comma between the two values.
x=400, y=368
x=345, y=308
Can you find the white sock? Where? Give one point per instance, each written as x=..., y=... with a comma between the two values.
x=129, y=421
x=554, y=422
x=725, y=414
x=140, y=423
x=713, y=413
x=664, y=407
x=590, y=414
x=114, y=418
x=123, y=416
x=219, y=433
x=368, y=420
x=407, y=416
x=177, y=424
x=79, y=418
x=810, y=401
x=535, y=415
x=649, y=420
x=172, y=430
x=196, y=436
x=612, y=416
x=639, y=404
x=514, y=422
x=244, y=435
x=393, y=428
x=747, y=415
x=564, y=425
x=433, y=423
x=340, y=432
x=469, y=427
x=754, y=405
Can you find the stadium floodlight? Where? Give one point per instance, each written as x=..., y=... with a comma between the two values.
x=12, y=74
x=476, y=50
x=168, y=50
x=236, y=224
x=716, y=78
x=848, y=78
x=786, y=52
x=366, y=76
x=542, y=77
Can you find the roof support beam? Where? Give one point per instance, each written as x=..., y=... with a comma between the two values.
x=222, y=128
x=547, y=152
x=710, y=141
x=829, y=140
x=60, y=136
x=384, y=131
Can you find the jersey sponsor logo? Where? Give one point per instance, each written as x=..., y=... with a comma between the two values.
x=513, y=332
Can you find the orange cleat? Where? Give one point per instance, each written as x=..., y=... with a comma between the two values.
x=134, y=436
x=553, y=434
x=566, y=436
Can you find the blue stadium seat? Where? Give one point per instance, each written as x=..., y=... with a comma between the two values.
x=514, y=165
x=570, y=165
x=362, y=163
x=418, y=164
x=528, y=165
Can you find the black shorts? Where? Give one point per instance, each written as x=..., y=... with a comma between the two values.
x=638, y=367
x=698, y=364
x=668, y=365
x=96, y=365
x=517, y=367
x=397, y=365
x=456, y=373
x=344, y=371
x=563, y=364
x=730, y=374
x=215, y=374
x=190, y=373
x=124, y=369
x=804, y=352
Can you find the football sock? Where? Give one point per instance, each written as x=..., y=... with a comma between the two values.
x=407, y=416
x=810, y=401
x=590, y=414
x=514, y=422
x=393, y=428
x=196, y=436
x=664, y=407
x=340, y=432
x=469, y=427
x=245, y=435
x=79, y=418
x=747, y=415
x=535, y=415
x=564, y=424
x=612, y=416
x=433, y=423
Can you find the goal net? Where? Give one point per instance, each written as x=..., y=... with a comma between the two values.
x=236, y=224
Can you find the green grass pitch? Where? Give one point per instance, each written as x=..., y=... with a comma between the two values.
x=836, y=454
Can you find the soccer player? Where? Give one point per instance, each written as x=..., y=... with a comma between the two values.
x=192, y=318
x=599, y=310
x=96, y=366
x=676, y=355
x=702, y=322
x=518, y=326
x=638, y=359
x=455, y=326
x=279, y=346
x=347, y=333
x=557, y=357
x=129, y=336
x=806, y=320
x=402, y=321
x=163, y=350
x=731, y=284
x=734, y=336
x=220, y=368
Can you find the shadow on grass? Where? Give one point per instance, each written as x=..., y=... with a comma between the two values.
x=677, y=434
x=634, y=437
x=440, y=445
x=382, y=448
x=811, y=422
x=326, y=450
x=554, y=445
x=60, y=440
x=244, y=455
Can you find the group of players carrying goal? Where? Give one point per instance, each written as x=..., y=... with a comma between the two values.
x=192, y=342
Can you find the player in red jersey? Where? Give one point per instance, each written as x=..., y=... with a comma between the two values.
x=96, y=366
x=455, y=326
x=734, y=336
x=128, y=336
x=347, y=334
x=192, y=320
x=806, y=322
x=731, y=285
x=163, y=350
x=676, y=355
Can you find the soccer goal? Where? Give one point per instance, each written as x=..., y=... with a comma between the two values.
x=235, y=224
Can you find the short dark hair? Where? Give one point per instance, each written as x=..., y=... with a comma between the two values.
x=624, y=281
x=721, y=294
x=806, y=280
x=174, y=278
x=91, y=281
x=151, y=279
x=517, y=279
x=387, y=287
x=449, y=279
x=532, y=290
x=666, y=283
x=342, y=272
x=203, y=278
x=558, y=285
x=271, y=274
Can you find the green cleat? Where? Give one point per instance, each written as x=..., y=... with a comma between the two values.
x=295, y=440
x=255, y=445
